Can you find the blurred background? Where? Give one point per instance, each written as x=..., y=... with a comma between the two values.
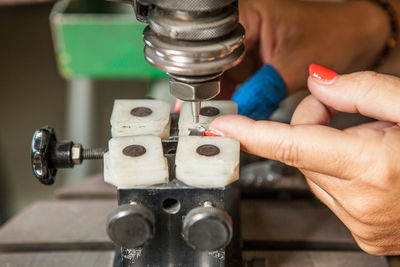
x=66, y=73
x=33, y=94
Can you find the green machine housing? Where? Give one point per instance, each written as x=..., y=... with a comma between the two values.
x=99, y=40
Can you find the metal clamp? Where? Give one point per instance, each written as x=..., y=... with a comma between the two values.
x=48, y=154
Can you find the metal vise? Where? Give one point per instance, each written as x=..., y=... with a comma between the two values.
x=168, y=214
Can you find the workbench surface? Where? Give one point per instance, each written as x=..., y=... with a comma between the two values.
x=71, y=231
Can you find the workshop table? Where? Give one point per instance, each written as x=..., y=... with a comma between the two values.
x=71, y=231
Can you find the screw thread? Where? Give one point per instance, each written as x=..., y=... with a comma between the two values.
x=93, y=153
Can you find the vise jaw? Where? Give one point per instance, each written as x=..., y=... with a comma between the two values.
x=176, y=202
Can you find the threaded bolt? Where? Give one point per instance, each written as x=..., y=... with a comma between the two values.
x=93, y=153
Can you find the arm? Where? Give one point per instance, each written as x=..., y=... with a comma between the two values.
x=291, y=34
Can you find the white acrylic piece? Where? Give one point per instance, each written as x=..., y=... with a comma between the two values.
x=128, y=172
x=123, y=123
x=106, y=171
x=203, y=171
x=186, y=118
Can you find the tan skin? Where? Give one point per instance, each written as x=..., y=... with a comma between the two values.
x=356, y=172
x=292, y=34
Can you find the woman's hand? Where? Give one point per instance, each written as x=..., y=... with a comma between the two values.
x=355, y=172
x=291, y=34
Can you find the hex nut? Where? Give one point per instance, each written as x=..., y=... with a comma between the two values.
x=76, y=154
x=194, y=91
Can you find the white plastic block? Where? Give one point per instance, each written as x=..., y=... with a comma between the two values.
x=126, y=171
x=123, y=123
x=186, y=118
x=207, y=171
x=106, y=171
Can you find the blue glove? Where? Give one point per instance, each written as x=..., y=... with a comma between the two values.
x=261, y=95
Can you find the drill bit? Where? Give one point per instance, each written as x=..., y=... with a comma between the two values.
x=197, y=130
x=196, y=105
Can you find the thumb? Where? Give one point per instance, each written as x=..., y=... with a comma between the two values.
x=368, y=93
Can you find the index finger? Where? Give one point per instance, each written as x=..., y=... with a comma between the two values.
x=312, y=147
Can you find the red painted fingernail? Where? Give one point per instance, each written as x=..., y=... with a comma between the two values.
x=178, y=104
x=322, y=74
x=213, y=132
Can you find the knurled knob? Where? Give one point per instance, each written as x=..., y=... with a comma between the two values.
x=207, y=228
x=48, y=154
x=131, y=225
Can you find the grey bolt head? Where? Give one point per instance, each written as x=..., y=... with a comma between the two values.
x=76, y=154
x=194, y=91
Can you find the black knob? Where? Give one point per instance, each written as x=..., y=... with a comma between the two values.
x=131, y=225
x=207, y=228
x=47, y=155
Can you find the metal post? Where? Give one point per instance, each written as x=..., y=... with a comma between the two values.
x=80, y=122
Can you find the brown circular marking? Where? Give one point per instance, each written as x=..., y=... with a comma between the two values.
x=141, y=112
x=208, y=150
x=134, y=151
x=209, y=111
